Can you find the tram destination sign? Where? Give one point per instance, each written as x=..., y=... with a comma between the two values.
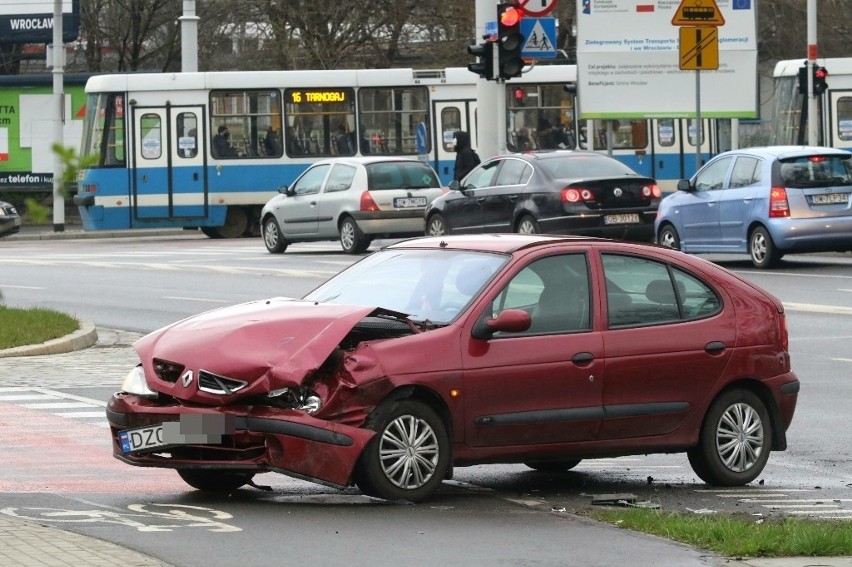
x=32, y=21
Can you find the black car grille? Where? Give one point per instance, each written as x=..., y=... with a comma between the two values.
x=216, y=384
x=167, y=371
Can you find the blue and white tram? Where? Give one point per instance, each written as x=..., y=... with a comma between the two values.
x=208, y=150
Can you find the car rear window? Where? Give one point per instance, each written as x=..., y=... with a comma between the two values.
x=584, y=166
x=400, y=175
x=816, y=171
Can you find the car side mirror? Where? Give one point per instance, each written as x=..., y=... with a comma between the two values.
x=508, y=321
x=284, y=190
x=454, y=185
x=683, y=185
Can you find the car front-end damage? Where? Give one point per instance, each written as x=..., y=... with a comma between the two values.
x=276, y=385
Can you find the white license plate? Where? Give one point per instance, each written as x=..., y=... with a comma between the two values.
x=621, y=219
x=142, y=438
x=830, y=199
x=408, y=202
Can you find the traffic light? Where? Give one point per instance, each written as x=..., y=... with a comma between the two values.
x=484, y=66
x=803, y=79
x=820, y=75
x=510, y=41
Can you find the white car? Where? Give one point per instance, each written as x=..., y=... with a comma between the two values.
x=352, y=199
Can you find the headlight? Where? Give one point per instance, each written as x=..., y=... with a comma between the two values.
x=134, y=383
x=296, y=398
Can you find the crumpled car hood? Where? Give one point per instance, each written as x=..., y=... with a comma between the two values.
x=270, y=344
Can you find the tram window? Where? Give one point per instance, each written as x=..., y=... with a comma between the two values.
x=320, y=122
x=150, y=134
x=844, y=118
x=691, y=128
x=103, y=135
x=450, y=124
x=389, y=118
x=540, y=116
x=248, y=117
x=187, y=134
x=665, y=132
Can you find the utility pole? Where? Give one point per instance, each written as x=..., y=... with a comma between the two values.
x=487, y=92
x=188, y=38
x=813, y=117
x=58, y=62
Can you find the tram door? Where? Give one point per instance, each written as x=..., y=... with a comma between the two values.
x=841, y=119
x=450, y=117
x=168, y=163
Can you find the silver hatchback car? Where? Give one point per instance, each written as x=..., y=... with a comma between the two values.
x=352, y=199
x=765, y=202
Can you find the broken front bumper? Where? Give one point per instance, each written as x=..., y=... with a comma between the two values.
x=263, y=439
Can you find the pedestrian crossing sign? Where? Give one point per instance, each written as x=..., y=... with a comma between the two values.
x=539, y=38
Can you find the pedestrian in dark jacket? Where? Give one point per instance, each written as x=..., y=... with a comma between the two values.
x=466, y=157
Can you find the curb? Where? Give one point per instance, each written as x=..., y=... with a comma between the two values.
x=84, y=337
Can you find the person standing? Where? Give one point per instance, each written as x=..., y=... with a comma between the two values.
x=466, y=156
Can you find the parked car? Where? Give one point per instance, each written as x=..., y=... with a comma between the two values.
x=764, y=202
x=439, y=352
x=560, y=192
x=351, y=199
x=10, y=220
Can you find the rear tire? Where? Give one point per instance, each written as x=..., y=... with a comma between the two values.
x=352, y=240
x=669, y=237
x=762, y=250
x=272, y=237
x=215, y=480
x=527, y=225
x=735, y=440
x=409, y=456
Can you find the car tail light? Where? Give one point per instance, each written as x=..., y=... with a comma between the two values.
x=652, y=191
x=778, y=205
x=367, y=202
x=782, y=331
x=576, y=194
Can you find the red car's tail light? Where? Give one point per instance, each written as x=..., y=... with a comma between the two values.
x=367, y=203
x=778, y=205
x=575, y=195
x=782, y=331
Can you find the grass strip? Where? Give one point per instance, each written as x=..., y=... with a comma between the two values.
x=20, y=327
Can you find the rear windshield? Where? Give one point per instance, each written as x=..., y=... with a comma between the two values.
x=816, y=171
x=585, y=166
x=401, y=175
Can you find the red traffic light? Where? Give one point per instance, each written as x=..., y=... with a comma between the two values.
x=510, y=16
x=520, y=94
x=821, y=73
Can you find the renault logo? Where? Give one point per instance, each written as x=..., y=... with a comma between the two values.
x=186, y=379
x=618, y=192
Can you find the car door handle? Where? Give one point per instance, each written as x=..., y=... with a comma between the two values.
x=582, y=358
x=715, y=347
x=480, y=199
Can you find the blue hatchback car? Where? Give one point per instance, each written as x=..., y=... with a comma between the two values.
x=765, y=202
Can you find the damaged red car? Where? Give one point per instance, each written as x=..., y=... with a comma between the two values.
x=440, y=352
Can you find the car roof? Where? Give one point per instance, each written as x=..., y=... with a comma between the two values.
x=784, y=152
x=365, y=160
x=501, y=243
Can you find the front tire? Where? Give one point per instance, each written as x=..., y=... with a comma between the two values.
x=215, y=480
x=735, y=440
x=409, y=456
x=669, y=237
x=762, y=250
x=272, y=237
x=436, y=226
x=352, y=240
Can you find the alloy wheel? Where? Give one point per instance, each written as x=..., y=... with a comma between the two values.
x=409, y=452
x=739, y=437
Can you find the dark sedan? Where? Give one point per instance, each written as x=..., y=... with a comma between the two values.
x=451, y=351
x=10, y=220
x=557, y=192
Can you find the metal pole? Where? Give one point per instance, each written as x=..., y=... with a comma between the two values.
x=59, y=118
x=486, y=142
x=189, y=37
x=698, y=136
x=814, y=118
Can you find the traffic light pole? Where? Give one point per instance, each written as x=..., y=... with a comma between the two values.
x=813, y=113
x=487, y=130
